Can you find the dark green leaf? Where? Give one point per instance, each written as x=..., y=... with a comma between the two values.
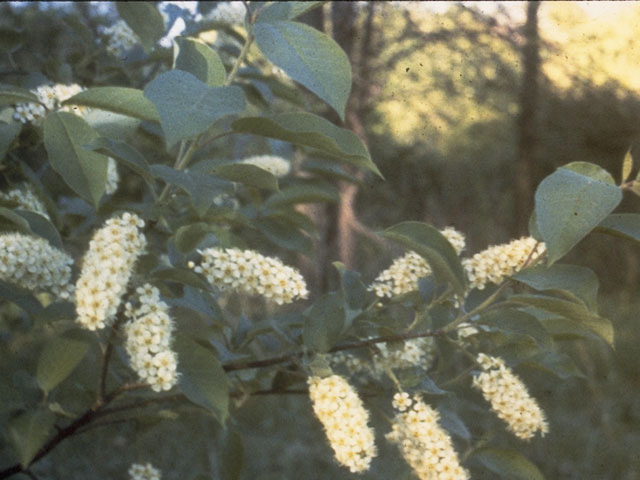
x=21, y=297
x=354, y=293
x=83, y=170
x=511, y=321
x=188, y=237
x=581, y=281
x=28, y=433
x=126, y=154
x=323, y=323
x=508, y=464
x=123, y=100
x=452, y=423
x=248, y=175
x=8, y=133
x=556, y=363
x=10, y=95
x=309, y=57
x=285, y=11
x=180, y=275
x=624, y=225
x=430, y=244
x=144, y=19
x=42, y=227
x=283, y=233
x=196, y=57
x=303, y=194
x=58, y=359
x=202, y=378
x=310, y=130
x=231, y=456
x=329, y=169
x=14, y=221
x=188, y=106
x=571, y=202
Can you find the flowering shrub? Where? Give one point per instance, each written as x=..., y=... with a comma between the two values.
x=154, y=262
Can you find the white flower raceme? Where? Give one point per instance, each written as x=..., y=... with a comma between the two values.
x=509, y=398
x=121, y=38
x=138, y=471
x=26, y=199
x=499, y=261
x=425, y=446
x=341, y=412
x=403, y=274
x=416, y=352
x=276, y=166
x=33, y=264
x=106, y=269
x=51, y=98
x=249, y=272
x=149, y=333
x=113, y=178
x=231, y=13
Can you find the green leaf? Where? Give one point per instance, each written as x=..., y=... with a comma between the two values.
x=354, y=293
x=627, y=166
x=58, y=359
x=559, y=364
x=144, y=19
x=28, y=433
x=83, y=170
x=123, y=100
x=581, y=281
x=21, y=297
x=508, y=464
x=125, y=154
x=231, y=456
x=188, y=106
x=309, y=57
x=285, y=11
x=8, y=133
x=180, y=275
x=196, y=57
x=248, y=175
x=202, y=378
x=324, y=322
x=282, y=232
x=571, y=202
x=42, y=227
x=310, y=130
x=302, y=194
x=624, y=225
x=511, y=321
x=573, y=311
x=430, y=244
x=187, y=237
x=10, y=95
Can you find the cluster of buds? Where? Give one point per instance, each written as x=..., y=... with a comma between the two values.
x=51, y=98
x=26, y=199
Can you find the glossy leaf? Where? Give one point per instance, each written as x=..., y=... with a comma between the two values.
x=285, y=11
x=58, y=359
x=122, y=100
x=10, y=95
x=508, y=464
x=28, y=433
x=323, y=323
x=196, y=57
x=571, y=202
x=144, y=19
x=8, y=133
x=624, y=225
x=249, y=175
x=309, y=57
x=310, y=130
x=83, y=170
x=430, y=244
x=202, y=378
x=188, y=106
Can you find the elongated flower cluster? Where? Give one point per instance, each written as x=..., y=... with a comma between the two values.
x=249, y=272
x=425, y=446
x=499, y=261
x=121, y=38
x=106, y=269
x=230, y=13
x=341, y=412
x=138, y=471
x=403, y=274
x=26, y=199
x=34, y=264
x=276, y=166
x=51, y=98
x=113, y=178
x=509, y=398
x=149, y=333
x=416, y=352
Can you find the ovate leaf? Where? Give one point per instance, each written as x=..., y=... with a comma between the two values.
x=303, y=194
x=624, y=225
x=309, y=57
x=83, y=170
x=430, y=244
x=58, y=359
x=122, y=100
x=324, y=321
x=125, y=154
x=196, y=57
x=188, y=106
x=10, y=95
x=508, y=464
x=8, y=133
x=247, y=174
x=310, y=130
x=571, y=202
x=285, y=11
x=28, y=433
x=144, y=19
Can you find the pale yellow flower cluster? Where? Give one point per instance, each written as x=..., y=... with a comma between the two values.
x=51, y=98
x=341, y=412
x=106, y=269
x=499, y=261
x=121, y=38
x=425, y=446
x=403, y=274
x=509, y=398
x=32, y=263
x=276, y=166
x=249, y=272
x=26, y=199
x=149, y=334
x=138, y=471
x=113, y=178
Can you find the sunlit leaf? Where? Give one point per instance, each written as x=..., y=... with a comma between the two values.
x=123, y=100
